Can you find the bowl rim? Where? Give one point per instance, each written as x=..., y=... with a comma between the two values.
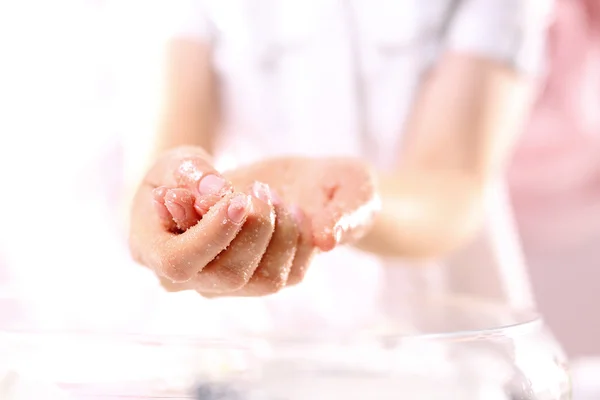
x=526, y=321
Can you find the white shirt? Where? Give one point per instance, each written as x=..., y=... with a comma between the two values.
x=342, y=73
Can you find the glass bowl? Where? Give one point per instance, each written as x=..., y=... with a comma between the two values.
x=453, y=348
x=62, y=365
x=441, y=348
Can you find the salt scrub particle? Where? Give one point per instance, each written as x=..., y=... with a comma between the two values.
x=188, y=168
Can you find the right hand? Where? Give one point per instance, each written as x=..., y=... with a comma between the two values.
x=197, y=233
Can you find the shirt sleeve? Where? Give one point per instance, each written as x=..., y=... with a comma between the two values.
x=510, y=31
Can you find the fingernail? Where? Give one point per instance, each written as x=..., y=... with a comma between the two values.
x=238, y=208
x=159, y=193
x=176, y=210
x=212, y=184
x=261, y=191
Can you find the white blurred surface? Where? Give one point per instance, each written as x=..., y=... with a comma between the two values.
x=585, y=373
x=15, y=386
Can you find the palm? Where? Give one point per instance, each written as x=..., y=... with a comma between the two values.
x=328, y=190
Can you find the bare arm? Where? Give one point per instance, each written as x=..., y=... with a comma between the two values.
x=186, y=113
x=461, y=131
x=189, y=107
x=466, y=119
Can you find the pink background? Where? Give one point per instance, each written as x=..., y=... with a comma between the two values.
x=555, y=180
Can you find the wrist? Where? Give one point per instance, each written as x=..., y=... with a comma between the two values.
x=424, y=214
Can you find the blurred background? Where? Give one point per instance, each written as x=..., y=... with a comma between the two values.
x=75, y=74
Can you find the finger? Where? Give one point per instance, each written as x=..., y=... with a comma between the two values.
x=190, y=168
x=275, y=266
x=178, y=165
x=326, y=229
x=305, y=249
x=233, y=268
x=173, y=287
x=158, y=196
x=187, y=167
x=336, y=224
x=180, y=257
x=210, y=190
x=180, y=204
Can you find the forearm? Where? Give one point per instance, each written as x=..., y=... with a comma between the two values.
x=186, y=111
x=172, y=132
x=424, y=214
x=432, y=203
x=185, y=114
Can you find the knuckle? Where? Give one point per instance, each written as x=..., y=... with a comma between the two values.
x=260, y=286
x=299, y=268
x=273, y=285
x=209, y=295
x=269, y=280
x=298, y=276
x=222, y=278
x=171, y=287
x=262, y=214
x=233, y=282
x=171, y=265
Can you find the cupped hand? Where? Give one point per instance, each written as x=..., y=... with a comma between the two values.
x=196, y=232
x=337, y=195
x=205, y=236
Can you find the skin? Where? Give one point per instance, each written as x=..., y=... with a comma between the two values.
x=428, y=206
x=432, y=202
x=270, y=248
